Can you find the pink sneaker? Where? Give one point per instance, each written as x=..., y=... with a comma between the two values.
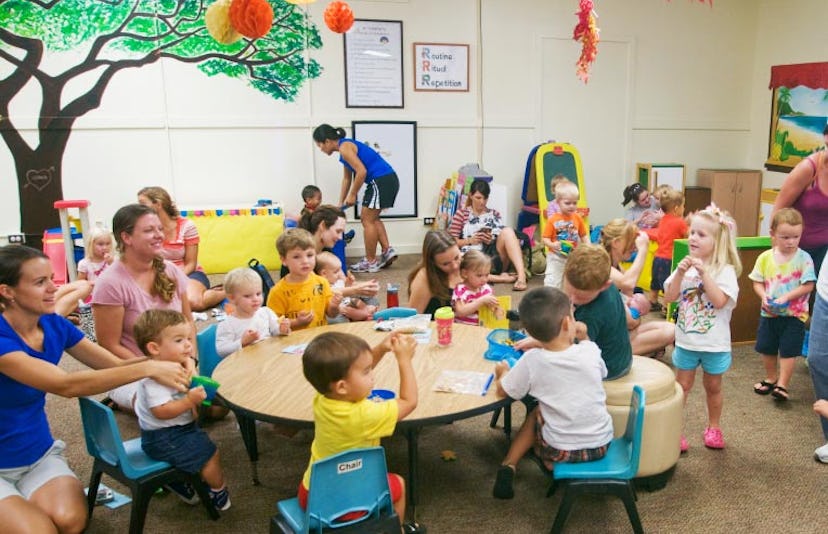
x=683, y=445
x=713, y=438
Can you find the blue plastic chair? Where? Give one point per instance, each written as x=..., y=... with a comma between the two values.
x=351, y=481
x=208, y=358
x=613, y=474
x=394, y=313
x=127, y=463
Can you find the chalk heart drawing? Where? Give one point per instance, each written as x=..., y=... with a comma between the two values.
x=39, y=178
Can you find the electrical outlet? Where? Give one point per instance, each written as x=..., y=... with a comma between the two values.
x=428, y=221
x=17, y=239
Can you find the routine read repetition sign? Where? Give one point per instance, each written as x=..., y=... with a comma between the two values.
x=441, y=67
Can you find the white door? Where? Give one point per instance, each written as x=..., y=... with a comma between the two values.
x=594, y=117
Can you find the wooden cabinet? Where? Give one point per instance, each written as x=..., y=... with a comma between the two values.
x=737, y=191
x=696, y=198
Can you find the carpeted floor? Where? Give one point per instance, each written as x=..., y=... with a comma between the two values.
x=765, y=480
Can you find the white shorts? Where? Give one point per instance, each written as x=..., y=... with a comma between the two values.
x=24, y=481
x=554, y=270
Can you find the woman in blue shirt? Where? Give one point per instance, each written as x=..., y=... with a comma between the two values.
x=38, y=491
x=363, y=165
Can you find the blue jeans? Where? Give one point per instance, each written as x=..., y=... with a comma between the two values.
x=818, y=354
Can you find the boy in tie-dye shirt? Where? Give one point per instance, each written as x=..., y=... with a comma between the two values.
x=783, y=278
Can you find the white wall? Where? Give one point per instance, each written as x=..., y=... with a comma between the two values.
x=695, y=91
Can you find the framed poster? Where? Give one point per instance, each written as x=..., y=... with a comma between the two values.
x=396, y=142
x=441, y=67
x=799, y=114
x=373, y=64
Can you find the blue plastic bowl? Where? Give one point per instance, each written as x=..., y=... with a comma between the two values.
x=501, y=343
x=381, y=395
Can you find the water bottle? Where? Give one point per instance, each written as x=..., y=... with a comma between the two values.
x=392, y=296
x=444, y=317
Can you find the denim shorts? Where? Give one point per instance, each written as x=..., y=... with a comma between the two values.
x=660, y=273
x=713, y=363
x=186, y=447
x=25, y=480
x=200, y=277
x=780, y=335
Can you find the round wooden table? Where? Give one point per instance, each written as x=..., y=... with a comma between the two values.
x=260, y=382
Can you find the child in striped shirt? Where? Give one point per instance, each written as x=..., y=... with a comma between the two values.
x=474, y=292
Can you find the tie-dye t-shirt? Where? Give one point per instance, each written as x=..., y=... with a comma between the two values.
x=781, y=279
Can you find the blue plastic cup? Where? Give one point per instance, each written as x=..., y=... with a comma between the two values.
x=210, y=387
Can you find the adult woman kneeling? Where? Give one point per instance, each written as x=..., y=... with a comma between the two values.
x=38, y=491
x=432, y=281
x=479, y=227
x=620, y=238
x=137, y=281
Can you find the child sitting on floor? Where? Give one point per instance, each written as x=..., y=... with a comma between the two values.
x=329, y=266
x=169, y=431
x=248, y=322
x=473, y=292
x=571, y=422
x=341, y=368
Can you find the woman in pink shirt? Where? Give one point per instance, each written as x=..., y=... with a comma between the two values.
x=181, y=247
x=139, y=280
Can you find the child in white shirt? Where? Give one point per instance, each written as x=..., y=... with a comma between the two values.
x=329, y=266
x=248, y=322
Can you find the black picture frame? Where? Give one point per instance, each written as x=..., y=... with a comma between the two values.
x=373, y=64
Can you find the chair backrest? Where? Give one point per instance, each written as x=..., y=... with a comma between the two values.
x=208, y=358
x=103, y=439
x=351, y=481
x=635, y=427
x=394, y=313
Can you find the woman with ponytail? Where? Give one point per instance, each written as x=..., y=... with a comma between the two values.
x=137, y=281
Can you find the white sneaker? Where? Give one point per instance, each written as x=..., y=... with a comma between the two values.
x=821, y=454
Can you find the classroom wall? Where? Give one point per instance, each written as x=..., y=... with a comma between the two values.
x=685, y=84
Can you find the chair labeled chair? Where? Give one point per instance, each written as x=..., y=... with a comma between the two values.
x=354, y=481
x=394, y=313
x=127, y=463
x=613, y=474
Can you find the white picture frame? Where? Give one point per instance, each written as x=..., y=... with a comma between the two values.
x=442, y=67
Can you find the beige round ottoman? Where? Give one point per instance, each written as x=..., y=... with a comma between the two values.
x=662, y=417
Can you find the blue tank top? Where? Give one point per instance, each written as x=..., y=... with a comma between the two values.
x=375, y=166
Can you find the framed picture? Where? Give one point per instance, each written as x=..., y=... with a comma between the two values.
x=799, y=113
x=441, y=67
x=396, y=142
x=373, y=64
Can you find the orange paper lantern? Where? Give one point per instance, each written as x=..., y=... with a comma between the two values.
x=339, y=17
x=251, y=18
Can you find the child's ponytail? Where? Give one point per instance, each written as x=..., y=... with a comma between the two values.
x=725, y=252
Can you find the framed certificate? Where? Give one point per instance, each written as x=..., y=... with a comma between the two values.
x=373, y=64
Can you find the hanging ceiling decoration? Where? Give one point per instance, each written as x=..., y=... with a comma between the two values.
x=251, y=18
x=217, y=21
x=586, y=31
x=339, y=16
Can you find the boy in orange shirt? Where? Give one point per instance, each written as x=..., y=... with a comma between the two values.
x=671, y=227
x=563, y=232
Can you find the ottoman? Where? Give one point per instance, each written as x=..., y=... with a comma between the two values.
x=662, y=417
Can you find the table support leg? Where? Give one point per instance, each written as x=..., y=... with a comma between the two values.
x=247, y=426
x=413, y=435
x=507, y=420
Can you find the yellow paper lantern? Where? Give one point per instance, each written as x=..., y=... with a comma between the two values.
x=217, y=21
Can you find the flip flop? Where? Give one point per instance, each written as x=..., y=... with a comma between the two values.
x=764, y=387
x=520, y=285
x=779, y=393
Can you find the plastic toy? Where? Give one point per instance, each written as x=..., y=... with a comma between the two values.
x=210, y=387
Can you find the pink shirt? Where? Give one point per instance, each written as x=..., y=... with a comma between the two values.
x=116, y=287
x=92, y=269
x=186, y=234
x=463, y=294
x=813, y=205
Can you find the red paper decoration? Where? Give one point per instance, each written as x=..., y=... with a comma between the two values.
x=251, y=18
x=339, y=17
x=586, y=31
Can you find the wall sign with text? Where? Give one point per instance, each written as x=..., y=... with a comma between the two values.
x=441, y=67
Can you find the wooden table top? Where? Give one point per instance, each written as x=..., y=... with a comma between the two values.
x=269, y=385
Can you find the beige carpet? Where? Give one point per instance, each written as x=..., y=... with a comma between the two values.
x=765, y=480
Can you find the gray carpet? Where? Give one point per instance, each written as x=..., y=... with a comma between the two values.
x=765, y=480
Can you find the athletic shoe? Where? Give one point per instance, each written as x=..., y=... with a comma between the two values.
x=412, y=527
x=683, y=445
x=365, y=266
x=220, y=498
x=388, y=257
x=348, y=236
x=503, y=487
x=713, y=438
x=184, y=491
x=821, y=454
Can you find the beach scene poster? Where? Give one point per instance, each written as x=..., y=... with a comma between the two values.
x=798, y=119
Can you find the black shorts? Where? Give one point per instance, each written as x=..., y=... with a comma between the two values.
x=186, y=447
x=780, y=335
x=200, y=277
x=381, y=192
x=661, y=271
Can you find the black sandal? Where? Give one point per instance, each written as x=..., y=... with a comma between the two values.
x=109, y=403
x=779, y=393
x=764, y=387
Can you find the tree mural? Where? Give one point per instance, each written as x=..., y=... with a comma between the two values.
x=113, y=35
